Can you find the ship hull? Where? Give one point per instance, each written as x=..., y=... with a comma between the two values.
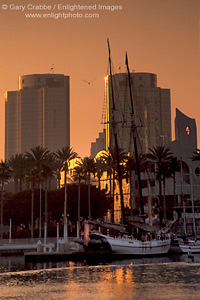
x=129, y=246
x=193, y=247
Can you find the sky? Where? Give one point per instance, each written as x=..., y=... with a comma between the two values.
x=160, y=36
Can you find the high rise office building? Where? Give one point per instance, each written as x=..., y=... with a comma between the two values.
x=152, y=111
x=37, y=114
x=99, y=144
x=185, y=131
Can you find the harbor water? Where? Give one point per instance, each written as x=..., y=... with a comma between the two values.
x=159, y=278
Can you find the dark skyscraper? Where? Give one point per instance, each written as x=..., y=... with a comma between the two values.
x=37, y=114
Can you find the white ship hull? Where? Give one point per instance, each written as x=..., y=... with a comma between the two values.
x=191, y=246
x=129, y=246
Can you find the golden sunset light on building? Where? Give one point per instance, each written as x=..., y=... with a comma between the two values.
x=37, y=114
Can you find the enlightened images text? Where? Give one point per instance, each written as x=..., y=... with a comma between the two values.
x=62, y=7
x=89, y=7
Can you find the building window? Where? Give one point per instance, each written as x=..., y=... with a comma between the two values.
x=185, y=173
x=197, y=171
x=188, y=130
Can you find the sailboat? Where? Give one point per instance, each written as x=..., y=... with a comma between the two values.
x=128, y=245
x=116, y=239
x=123, y=243
x=190, y=245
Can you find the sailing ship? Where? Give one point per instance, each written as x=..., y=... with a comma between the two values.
x=116, y=238
x=121, y=242
x=128, y=245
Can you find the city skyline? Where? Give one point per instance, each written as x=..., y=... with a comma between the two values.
x=160, y=37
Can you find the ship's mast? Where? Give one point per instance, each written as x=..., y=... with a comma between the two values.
x=134, y=131
x=115, y=136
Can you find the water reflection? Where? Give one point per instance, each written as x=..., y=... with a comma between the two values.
x=133, y=281
x=11, y=264
x=156, y=279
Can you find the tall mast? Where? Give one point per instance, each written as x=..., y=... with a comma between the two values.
x=115, y=137
x=133, y=127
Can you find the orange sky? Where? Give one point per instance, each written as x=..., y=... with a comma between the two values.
x=161, y=36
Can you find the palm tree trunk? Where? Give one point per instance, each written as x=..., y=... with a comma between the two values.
x=131, y=191
x=65, y=203
x=89, y=204
x=160, y=200
x=20, y=184
x=174, y=188
x=113, y=199
x=58, y=179
x=32, y=214
x=79, y=208
x=16, y=185
x=164, y=201
x=99, y=182
x=110, y=180
x=2, y=211
x=49, y=185
x=40, y=225
x=46, y=201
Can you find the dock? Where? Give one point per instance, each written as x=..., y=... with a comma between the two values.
x=22, y=246
x=69, y=256
x=10, y=249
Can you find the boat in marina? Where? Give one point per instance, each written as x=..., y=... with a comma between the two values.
x=128, y=245
x=190, y=245
x=145, y=241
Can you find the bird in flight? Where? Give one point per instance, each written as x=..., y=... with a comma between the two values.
x=88, y=82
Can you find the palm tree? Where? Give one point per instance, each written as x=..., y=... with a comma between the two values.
x=32, y=177
x=130, y=166
x=89, y=167
x=48, y=172
x=37, y=159
x=100, y=168
x=107, y=156
x=18, y=164
x=166, y=173
x=160, y=156
x=5, y=174
x=110, y=158
x=78, y=176
x=175, y=166
x=63, y=157
x=58, y=167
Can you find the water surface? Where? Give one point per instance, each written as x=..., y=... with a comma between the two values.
x=141, y=279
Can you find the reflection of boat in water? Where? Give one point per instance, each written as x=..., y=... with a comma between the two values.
x=128, y=245
x=192, y=245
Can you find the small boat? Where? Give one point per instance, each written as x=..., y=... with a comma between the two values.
x=190, y=245
x=126, y=245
